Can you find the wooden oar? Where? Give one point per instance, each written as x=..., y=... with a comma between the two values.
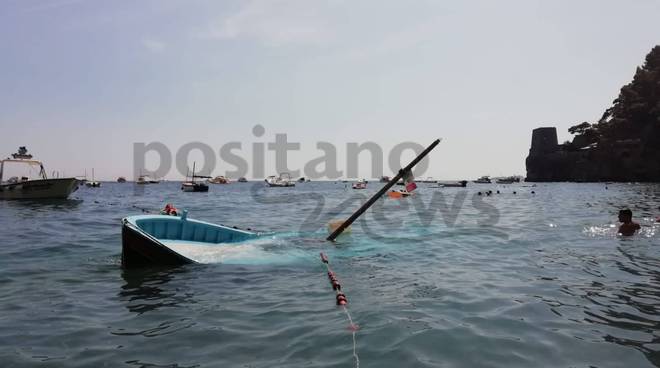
x=382, y=191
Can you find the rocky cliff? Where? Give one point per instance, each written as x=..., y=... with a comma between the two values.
x=624, y=145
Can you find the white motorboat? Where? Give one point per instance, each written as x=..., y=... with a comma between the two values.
x=483, y=180
x=284, y=180
x=219, y=180
x=26, y=188
x=360, y=184
x=146, y=179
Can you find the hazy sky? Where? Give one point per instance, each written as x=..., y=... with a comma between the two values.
x=81, y=81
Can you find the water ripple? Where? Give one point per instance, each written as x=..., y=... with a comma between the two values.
x=549, y=284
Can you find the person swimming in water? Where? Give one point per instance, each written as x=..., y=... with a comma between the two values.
x=628, y=226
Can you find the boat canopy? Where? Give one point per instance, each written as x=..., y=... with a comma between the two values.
x=29, y=162
x=42, y=172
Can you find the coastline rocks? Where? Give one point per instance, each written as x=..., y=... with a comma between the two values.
x=624, y=145
x=618, y=161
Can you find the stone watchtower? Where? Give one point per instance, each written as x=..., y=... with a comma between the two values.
x=541, y=165
x=544, y=141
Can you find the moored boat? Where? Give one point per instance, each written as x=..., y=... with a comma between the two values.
x=508, y=180
x=483, y=180
x=195, y=186
x=219, y=180
x=93, y=183
x=460, y=184
x=188, y=186
x=149, y=240
x=360, y=184
x=25, y=188
x=284, y=180
x=146, y=179
x=121, y=179
x=242, y=180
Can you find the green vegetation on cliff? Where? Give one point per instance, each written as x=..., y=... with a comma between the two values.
x=624, y=145
x=634, y=115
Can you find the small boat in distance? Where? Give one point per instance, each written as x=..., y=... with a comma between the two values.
x=149, y=240
x=360, y=184
x=26, y=188
x=460, y=184
x=384, y=179
x=284, y=180
x=483, y=180
x=121, y=179
x=93, y=183
x=146, y=179
x=301, y=179
x=508, y=180
x=195, y=186
x=242, y=180
x=219, y=180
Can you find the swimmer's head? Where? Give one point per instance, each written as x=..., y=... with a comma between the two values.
x=625, y=215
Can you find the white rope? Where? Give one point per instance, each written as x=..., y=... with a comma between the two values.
x=353, y=326
x=354, y=330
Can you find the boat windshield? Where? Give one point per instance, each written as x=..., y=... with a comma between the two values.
x=12, y=171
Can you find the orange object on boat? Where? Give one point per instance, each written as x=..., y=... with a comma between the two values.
x=398, y=194
x=394, y=194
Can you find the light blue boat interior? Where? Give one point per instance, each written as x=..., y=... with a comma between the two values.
x=166, y=228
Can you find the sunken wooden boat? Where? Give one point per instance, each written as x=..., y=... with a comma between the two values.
x=163, y=240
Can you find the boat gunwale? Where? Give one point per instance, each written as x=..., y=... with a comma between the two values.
x=133, y=221
x=130, y=223
x=5, y=184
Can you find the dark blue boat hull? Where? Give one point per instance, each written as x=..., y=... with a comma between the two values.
x=138, y=250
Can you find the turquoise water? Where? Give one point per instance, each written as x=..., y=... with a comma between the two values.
x=444, y=279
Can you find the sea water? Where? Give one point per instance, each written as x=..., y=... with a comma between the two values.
x=446, y=278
